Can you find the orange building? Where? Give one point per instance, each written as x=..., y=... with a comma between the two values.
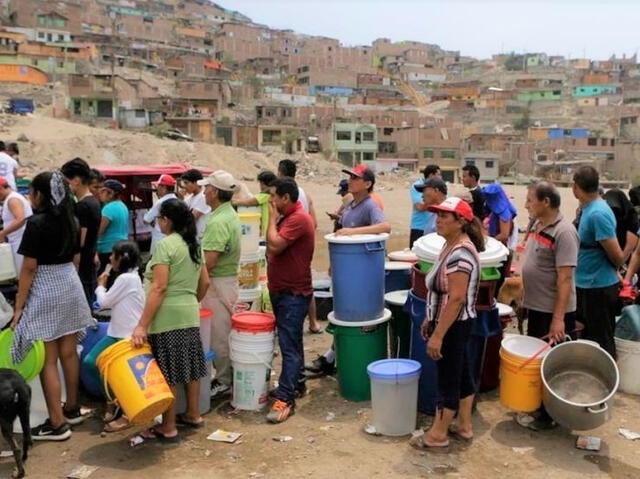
x=22, y=74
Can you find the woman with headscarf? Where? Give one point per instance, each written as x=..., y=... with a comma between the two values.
x=51, y=305
x=626, y=220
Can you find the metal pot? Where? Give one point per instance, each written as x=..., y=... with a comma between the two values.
x=578, y=359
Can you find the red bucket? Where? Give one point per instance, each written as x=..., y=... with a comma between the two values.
x=251, y=322
x=418, y=284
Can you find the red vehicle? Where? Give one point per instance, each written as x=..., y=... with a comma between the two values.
x=138, y=193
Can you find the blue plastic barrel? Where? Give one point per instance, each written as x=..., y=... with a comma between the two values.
x=397, y=276
x=93, y=334
x=357, y=276
x=428, y=385
x=89, y=377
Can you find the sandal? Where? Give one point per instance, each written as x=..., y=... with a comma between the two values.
x=456, y=434
x=117, y=425
x=111, y=416
x=152, y=434
x=316, y=331
x=418, y=442
x=181, y=420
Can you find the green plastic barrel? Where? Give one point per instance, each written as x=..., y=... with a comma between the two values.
x=357, y=345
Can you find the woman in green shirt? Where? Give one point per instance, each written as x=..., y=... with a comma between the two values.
x=176, y=282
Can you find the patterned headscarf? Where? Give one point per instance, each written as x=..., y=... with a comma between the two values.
x=58, y=190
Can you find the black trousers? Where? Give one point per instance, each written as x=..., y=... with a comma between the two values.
x=415, y=234
x=538, y=323
x=597, y=310
x=455, y=374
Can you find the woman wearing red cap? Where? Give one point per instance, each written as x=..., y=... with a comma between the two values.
x=452, y=285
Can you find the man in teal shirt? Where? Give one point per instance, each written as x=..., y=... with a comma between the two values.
x=599, y=257
x=114, y=224
x=221, y=246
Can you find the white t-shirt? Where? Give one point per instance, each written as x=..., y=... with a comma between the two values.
x=126, y=300
x=198, y=203
x=7, y=166
x=302, y=198
x=8, y=218
x=151, y=215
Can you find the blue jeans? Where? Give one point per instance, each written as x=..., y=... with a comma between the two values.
x=290, y=311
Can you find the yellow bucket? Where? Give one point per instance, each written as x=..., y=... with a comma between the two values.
x=520, y=387
x=136, y=380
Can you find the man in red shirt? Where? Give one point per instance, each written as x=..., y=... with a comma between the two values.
x=290, y=243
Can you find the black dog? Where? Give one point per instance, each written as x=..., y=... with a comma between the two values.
x=15, y=401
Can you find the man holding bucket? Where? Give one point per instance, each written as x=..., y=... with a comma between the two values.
x=551, y=255
x=290, y=244
x=221, y=246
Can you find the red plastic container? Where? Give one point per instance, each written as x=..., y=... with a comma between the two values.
x=418, y=284
x=205, y=313
x=251, y=322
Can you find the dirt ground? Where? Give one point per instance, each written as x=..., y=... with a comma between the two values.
x=327, y=432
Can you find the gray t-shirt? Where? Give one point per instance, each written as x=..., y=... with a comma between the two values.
x=547, y=249
x=365, y=213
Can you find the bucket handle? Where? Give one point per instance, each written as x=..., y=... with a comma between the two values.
x=374, y=246
x=104, y=380
x=268, y=365
x=603, y=408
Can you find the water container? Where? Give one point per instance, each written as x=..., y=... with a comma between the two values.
x=249, y=275
x=324, y=304
x=418, y=282
x=397, y=276
x=357, y=275
x=394, y=395
x=428, y=385
x=7, y=266
x=629, y=364
x=250, y=225
x=249, y=299
x=399, y=326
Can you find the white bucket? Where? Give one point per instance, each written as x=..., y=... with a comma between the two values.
x=628, y=364
x=250, y=226
x=38, y=413
x=251, y=356
x=249, y=276
x=7, y=265
x=249, y=300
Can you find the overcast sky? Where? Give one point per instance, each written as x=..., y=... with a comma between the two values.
x=477, y=28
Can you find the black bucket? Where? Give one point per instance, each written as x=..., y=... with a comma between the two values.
x=324, y=304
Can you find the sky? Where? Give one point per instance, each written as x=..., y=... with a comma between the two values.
x=576, y=29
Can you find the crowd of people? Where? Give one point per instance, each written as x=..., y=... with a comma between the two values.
x=71, y=249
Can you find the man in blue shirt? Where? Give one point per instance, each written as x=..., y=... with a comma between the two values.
x=419, y=214
x=599, y=257
x=434, y=192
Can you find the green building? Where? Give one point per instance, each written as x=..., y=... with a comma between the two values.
x=355, y=143
x=46, y=64
x=539, y=95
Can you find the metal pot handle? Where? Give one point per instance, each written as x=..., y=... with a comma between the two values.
x=603, y=408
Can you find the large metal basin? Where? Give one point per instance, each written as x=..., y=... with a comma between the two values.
x=579, y=380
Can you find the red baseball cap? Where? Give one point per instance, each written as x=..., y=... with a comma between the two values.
x=454, y=205
x=4, y=181
x=165, y=180
x=361, y=171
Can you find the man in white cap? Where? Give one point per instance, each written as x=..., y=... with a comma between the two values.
x=165, y=190
x=221, y=246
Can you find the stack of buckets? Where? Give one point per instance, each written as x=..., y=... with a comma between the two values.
x=359, y=319
x=627, y=338
x=397, y=285
x=251, y=347
x=252, y=258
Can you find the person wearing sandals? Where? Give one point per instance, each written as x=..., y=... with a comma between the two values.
x=453, y=285
x=126, y=301
x=51, y=305
x=176, y=280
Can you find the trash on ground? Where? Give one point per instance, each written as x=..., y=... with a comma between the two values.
x=628, y=434
x=82, y=472
x=282, y=438
x=330, y=416
x=589, y=443
x=220, y=435
x=522, y=450
x=6, y=453
x=136, y=441
x=370, y=429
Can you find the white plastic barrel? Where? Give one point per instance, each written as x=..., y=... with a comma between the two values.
x=629, y=365
x=394, y=395
x=250, y=225
x=249, y=276
x=251, y=355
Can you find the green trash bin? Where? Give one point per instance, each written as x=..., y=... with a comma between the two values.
x=357, y=345
x=399, y=326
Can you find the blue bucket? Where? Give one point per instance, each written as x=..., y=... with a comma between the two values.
x=397, y=276
x=428, y=385
x=357, y=276
x=487, y=323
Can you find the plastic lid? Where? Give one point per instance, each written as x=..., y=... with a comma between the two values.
x=386, y=316
x=251, y=322
x=356, y=239
x=205, y=313
x=523, y=346
x=403, y=255
x=323, y=294
x=428, y=247
x=394, y=369
x=397, y=298
x=504, y=309
x=33, y=362
x=397, y=266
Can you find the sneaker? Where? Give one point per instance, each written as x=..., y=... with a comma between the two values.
x=321, y=366
x=73, y=416
x=46, y=432
x=218, y=389
x=280, y=412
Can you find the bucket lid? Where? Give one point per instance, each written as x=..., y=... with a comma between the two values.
x=403, y=255
x=504, y=310
x=251, y=322
x=323, y=294
x=428, y=247
x=249, y=294
x=397, y=266
x=356, y=239
x=394, y=369
x=386, y=316
x=249, y=216
x=523, y=346
x=397, y=298
x=32, y=363
x=205, y=313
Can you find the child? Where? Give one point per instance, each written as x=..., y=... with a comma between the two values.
x=126, y=300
